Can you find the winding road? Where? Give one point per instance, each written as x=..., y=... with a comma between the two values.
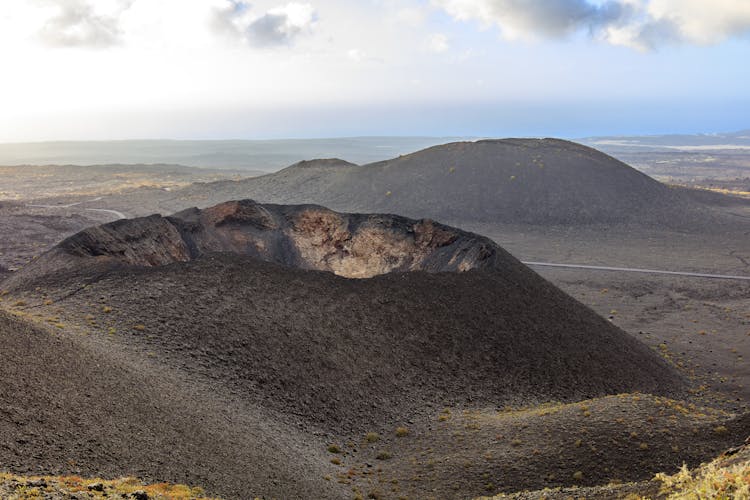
x=636, y=270
x=118, y=214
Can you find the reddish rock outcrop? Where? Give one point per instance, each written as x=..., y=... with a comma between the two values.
x=303, y=236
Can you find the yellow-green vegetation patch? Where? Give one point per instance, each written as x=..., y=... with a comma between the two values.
x=714, y=480
x=13, y=487
x=726, y=478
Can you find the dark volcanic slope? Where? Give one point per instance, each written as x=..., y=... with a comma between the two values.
x=544, y=181
x=68, y=406
x=343, y=353
x=217, y=348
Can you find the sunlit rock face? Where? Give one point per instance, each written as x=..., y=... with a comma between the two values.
x=305, y=236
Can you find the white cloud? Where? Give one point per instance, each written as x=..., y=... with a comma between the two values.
x=411, y=16
x=361, y=56
x=277, y=26
x=530, y=18
x=438, y=42
x=704, y=22
x=357, y=55
x=81, y=23
x=642, y=24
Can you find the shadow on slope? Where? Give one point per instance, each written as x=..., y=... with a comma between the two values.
x=69, y=406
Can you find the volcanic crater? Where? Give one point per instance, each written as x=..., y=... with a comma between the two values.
x=435, y=305
x=307, y=237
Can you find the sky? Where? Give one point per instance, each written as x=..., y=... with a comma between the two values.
x=230, y=69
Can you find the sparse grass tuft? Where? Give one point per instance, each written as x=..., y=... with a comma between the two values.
x=334, y=448
x=372, y=437
x=402, y=432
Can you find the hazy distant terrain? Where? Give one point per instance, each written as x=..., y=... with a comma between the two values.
x=45, y=181
x=719, y=162
x=698, y=159
x=41, y=204
x=267, y=155
x=675, y=142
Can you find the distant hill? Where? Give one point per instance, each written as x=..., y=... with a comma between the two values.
x=265, y=155
x=535, y=181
